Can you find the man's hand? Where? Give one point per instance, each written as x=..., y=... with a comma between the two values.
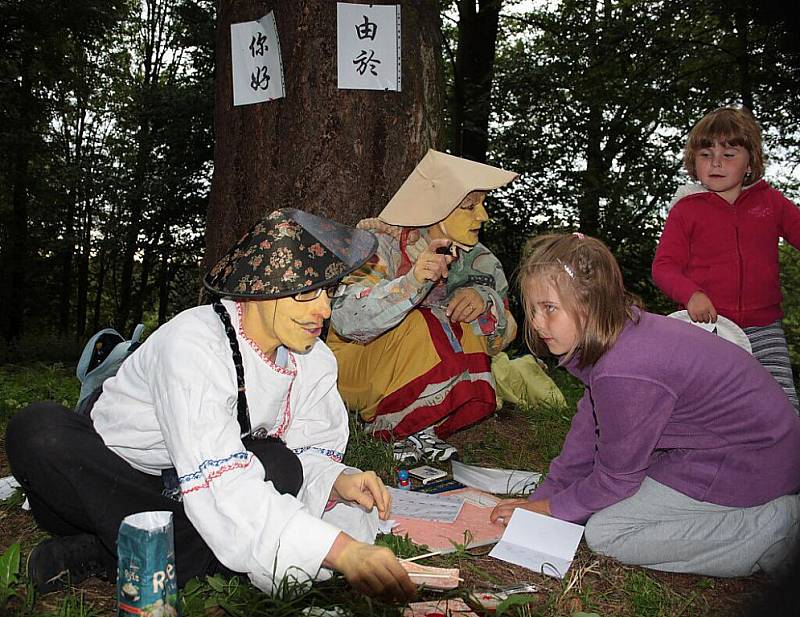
x=701, y=308
x=371, y=570
x=366, y=489
x=430, y=265
x=466, y=305
x=502, y=511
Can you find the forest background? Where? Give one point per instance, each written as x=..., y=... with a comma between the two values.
x=107, y=140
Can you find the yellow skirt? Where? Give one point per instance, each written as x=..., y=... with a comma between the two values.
x=420, y=373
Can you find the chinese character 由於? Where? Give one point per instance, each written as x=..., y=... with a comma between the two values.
x=367, y=30
x=364, y=61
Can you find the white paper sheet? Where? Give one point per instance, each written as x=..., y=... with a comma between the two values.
x=368, y=46
x=257, y=72
x=412, y=504
x=8, y=485
x=497, y=481
x=540, y=543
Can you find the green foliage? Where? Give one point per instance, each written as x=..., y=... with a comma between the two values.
x=22, y=385
x=365, y=452
x=9, y=574
x=650, y=598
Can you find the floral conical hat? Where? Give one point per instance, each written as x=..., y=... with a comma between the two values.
x=288, y=252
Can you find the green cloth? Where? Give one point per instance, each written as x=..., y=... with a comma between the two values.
x=522, y=381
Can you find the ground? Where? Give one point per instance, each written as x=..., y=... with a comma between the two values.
x=593, y=585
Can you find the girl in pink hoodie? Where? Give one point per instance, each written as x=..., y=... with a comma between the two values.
x=718, y=253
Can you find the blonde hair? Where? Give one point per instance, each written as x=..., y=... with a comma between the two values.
x=589, y=284
x=728, y=126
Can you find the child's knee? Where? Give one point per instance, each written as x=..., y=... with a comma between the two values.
x=605, y=534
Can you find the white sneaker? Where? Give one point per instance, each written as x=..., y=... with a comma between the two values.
x=406, y=452
x=432, y=448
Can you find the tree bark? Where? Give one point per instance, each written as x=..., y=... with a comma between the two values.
x=336, y=153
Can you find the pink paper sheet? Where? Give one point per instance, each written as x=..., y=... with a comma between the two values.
x=452, y=607
x=441, y=536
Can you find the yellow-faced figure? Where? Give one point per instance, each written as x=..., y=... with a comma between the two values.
x=285, y=269
x=445, y=194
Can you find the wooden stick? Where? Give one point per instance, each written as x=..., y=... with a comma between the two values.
x=422, y=574
x=423, y=556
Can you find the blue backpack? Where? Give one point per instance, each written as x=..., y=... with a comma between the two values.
x=101, y=359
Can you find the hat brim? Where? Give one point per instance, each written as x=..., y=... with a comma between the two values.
x=437, y=186
x=723, y=327
x=289, y=252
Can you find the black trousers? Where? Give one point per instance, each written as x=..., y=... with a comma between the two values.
x=75, y=484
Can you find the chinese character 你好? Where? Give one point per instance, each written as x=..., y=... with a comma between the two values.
x=259, y=79
x=258, y=45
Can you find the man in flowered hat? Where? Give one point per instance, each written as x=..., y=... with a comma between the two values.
x=229, y=417
x=414, y=328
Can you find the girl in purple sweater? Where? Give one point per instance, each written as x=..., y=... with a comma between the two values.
x=684, y=453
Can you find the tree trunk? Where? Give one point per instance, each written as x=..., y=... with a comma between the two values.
x=473, y=72
x=337, y=153
x=81, y=306
x=17, y=258
x=742, y=23
x=101, y=280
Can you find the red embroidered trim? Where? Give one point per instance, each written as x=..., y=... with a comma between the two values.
x=216, y=474
x=286, y=414
x=291, y=372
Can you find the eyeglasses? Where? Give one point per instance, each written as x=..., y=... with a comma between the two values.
x=308, y=296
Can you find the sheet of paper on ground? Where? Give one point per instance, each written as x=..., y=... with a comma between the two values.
x=540, y=543
x=472, y=526
x=450, y=607
x=438, y=507
x=497, y=481
x=8, y=485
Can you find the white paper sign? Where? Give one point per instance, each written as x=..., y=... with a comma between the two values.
x=368, y=46
x=256, y=57
x=540, y=543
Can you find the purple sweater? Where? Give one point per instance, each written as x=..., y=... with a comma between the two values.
x=684, y=407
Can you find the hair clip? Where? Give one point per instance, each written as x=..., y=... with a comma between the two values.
x=567, y=269
x=579, y=235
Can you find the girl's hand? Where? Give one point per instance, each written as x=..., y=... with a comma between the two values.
x=700, y=308
x=502, y=512
x=366, y=489
x=466, y=305
x=430, y=265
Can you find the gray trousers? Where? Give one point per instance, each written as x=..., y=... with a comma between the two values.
x=663, y=529
x=769, y=348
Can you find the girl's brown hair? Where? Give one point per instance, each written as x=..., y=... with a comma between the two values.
x=731, y=127
x=589, y=284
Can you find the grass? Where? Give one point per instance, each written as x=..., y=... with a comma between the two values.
x=520, y=438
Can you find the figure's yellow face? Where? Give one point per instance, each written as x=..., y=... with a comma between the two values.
x=463, y=224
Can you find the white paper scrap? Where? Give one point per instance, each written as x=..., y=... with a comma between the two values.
x=257, y=72
x=540, y=543
x=368, y=46
x=8, y=485
x=386, y=526
x=497, y=481
x=412, y=504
